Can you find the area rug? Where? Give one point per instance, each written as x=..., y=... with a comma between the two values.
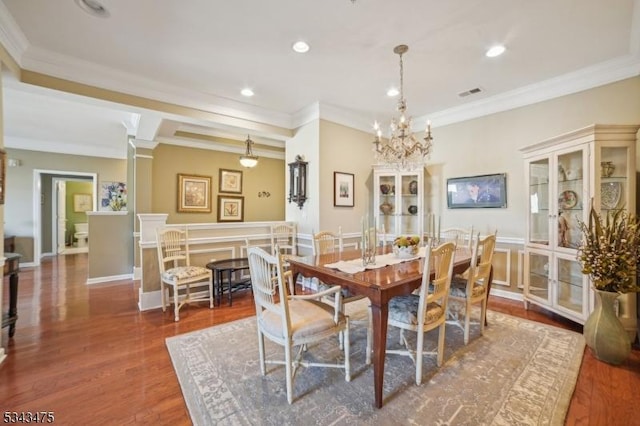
x=519, y=373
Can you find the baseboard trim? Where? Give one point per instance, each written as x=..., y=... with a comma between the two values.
x=99, y=280
x=149, y=300
x=506, y=294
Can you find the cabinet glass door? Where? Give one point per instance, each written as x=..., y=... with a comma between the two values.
x=570, y=192
x=538, y=278
x=570, y=290
x=614, y=185
x=409, y=212
x=387, y=187
x=539, y=201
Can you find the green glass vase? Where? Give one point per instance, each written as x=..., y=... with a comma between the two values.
x=603, y=332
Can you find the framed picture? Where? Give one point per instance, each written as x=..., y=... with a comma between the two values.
x=82, y=202
x=230, y=208
x=230, y=181
x=343, y=195
x=3, y=174
x=194, y=193
x=477, y=191
x=113, y=196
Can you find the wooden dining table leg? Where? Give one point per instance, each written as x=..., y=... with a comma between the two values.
x=380, y=316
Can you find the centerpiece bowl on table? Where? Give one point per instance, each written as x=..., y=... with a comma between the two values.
x=406, y=247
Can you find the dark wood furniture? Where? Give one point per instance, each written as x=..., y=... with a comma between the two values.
x=379, y=285
x=9, y=244
x=11, y=268
x=228, y=267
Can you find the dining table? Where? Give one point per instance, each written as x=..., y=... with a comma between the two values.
x=379, y=284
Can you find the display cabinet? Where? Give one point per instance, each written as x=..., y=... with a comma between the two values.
x=398, y=201
x=565, y=175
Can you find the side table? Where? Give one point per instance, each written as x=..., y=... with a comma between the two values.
x=11, y=268
x=230, y=267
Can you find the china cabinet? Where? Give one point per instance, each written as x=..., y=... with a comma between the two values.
x=563, y=177
x=398, y=201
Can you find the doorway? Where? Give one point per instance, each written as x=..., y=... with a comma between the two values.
x=66, y=213
x=45, y=226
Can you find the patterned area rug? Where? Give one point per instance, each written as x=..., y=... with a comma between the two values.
x=519, y=373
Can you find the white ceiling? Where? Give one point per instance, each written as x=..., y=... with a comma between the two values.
x=201, y=53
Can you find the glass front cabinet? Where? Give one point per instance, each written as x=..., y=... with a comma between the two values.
x=398, y=202
x=563, y=177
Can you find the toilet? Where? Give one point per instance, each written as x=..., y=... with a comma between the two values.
x=82, y=234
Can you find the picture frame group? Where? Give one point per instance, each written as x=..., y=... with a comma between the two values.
x=480, y=191
x=194, y=193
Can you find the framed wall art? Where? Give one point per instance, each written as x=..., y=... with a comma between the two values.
x=230, y=181
x=194, y=193
x=477, y=191
x=82, y=203
x=343, y=189
x=113, y=196
x=230, y=208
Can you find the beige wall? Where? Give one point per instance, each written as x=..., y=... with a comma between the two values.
x=19, y=219
x=267, y=176
x=110, y=245
x=492, y=144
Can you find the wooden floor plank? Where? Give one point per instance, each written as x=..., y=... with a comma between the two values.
x=87, y=353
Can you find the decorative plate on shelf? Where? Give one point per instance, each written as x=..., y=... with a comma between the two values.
x=610, y=193
x=567, y=199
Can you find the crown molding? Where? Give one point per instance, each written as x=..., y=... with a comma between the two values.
x=68, y=68
x=220, y=147
x=566, y=84
x=59, y=147
x=11, y=36
x=144, y=144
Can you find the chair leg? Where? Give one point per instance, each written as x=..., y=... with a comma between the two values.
x=176, y=305
x=419, y=346
x=347, y=354
x=210, y=295
x=483, y=315
x=263, y=366
x=163, y=296
x=467, y=321
x=441, y=343
x=288, y=372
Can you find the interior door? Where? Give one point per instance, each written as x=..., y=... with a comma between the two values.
x=61, y=215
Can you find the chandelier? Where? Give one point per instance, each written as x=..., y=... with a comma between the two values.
x=403, y=150
x=248, y=159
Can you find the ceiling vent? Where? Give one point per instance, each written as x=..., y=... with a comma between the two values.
x=470, y=92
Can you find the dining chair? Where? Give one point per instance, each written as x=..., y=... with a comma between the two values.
x=293, y=321
x=461, y=236
x=284, y=238
x=425, y=311
x=472, y=287
x=177, y=272
x=327, y=242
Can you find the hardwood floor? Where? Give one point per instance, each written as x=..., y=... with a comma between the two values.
x=87, y=354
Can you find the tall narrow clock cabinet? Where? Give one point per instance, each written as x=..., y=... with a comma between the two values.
x=564, y=176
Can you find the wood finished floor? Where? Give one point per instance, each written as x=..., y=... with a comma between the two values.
x=87, y=354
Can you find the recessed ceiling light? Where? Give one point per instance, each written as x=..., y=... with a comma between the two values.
x=247, y=92
x=495, y=51
x=300, y=47
x=93, y=7
x=392, y=92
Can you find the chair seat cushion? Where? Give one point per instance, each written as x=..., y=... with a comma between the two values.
x=459, y=288
x=184, y=272
x=308, y=317
x=404, y=309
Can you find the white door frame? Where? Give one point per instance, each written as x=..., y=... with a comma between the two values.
x=37, y=207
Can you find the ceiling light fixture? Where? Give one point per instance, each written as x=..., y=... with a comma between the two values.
x=248, y=159
x=300, y=47
x=403, y=150
x=495, y=51
x=393, y=92
x=247, y=92
x=93, y=8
